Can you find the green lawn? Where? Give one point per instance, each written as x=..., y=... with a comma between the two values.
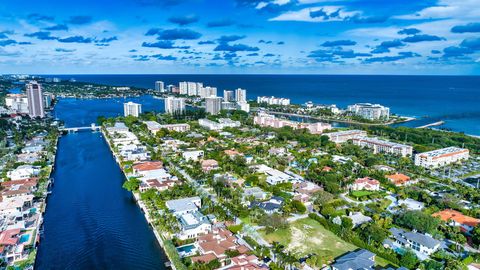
x=361, y=193
x=307, y=236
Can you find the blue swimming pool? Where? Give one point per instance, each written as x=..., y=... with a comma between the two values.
x=186, y=248
x=24, y=238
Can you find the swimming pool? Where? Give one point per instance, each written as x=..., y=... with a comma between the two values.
x=187, y=250
x=24, y=238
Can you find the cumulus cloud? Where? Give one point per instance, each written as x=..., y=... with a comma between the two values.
x=468, y=28
x=75, y=39
x=183, y=20
x=163, y=44
x=230, y=38
x=321, y=14
x=385, y=46
x=235, y=48
x=164, y=57
x=62, y=50
x=409, y=31
x=338, y=43
x=42, y=35
x=178, y=33
x=421, y=38
x=471, y=43
x=220, y=23
x=206, y=42
x=400, y=56
x=40, y=17
x=57, y=27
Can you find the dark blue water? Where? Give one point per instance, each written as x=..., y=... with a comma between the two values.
x=454, y=99
x=90, y=221
x=82, y=112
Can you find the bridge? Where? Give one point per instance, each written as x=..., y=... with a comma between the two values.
x=92, y=127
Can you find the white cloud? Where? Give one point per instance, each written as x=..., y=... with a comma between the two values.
x=305, y=16
x=447, y=9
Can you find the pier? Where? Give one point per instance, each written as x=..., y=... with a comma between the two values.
x=439, y=123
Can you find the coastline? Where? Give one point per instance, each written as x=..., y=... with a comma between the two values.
x=141, y=205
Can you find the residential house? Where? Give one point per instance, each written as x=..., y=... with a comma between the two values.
x=23, y=172
x=209, y=165
x=365, y=183
x=274, y=205
x=358, y=219
x=457, y=219
x=399, y=179
x=356, y=260
x=193, y=155
x=422, y=244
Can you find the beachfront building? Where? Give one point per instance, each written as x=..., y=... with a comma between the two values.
x=160, y=86
x=221, y=124
x=344, y=136
x=228, y=96
x=268, y=120
x=365, y=183
x=35, y=99
x=190, y=88
x=213, y=105
x=273, y=100
x=441, y=157
x=240, y=95
x=174, y=105
x=382, y=146
x=208, y=91
x=370, y=111
x=131, y=108
x=457, y=219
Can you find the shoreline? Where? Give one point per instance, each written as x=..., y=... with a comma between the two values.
x=141, y=205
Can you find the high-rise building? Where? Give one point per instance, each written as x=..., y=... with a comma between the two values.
x=174, y=105
x=170, y=88
x=35, y=100
x=228, y=96
x=243, y=106
x=183, y=88
x=370, y=111
x=241, y=95
x=159, y=86
x=17, y=103
x=133, y=109
x=208, y=91
x=213, y=105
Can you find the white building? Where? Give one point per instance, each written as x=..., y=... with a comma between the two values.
x=184, y=206
x=154, y=127
x=241, y=95
x=213, y=105
x=131, y=108
x=441, y=157
x=35, y=100
x=174, y=105
x=273, y=100
x=344, y=136
x=17, y=103
x=274, y=176
x=382, y=146
x=23, y=172
x=228, y=96
x=267, y=120
x=243, y=106
x=160, y=86
x=370, y=111
x=194, y=155
x=207, y=91
x=221, y=124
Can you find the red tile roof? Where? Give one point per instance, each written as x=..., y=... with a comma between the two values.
x=450, y=214
x=9, y=237
x=148, y=166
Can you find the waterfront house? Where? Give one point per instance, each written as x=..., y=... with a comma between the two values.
x=183, y=206
x=457, y=219
x=193, y=225
x=422, y=244
x=365, y=183
x=23, y=172
x=147, y=166
x=355, y=260
x=10, y=252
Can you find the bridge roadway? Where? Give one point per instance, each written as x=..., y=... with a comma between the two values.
x=75, y=129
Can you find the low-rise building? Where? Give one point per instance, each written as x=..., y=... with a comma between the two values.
x=267, y=120
x=398, y=179
x=441, y=157
x=382, y=146
x=209, y=165
x=344, y=136
x=194, y=155
x=23, y=172
x=457, y=219
x=422, y=244
x=365, y=183
x=370, y=111
x=355, y=260
x=221, y=124
x=274, y=176
x=183, y=206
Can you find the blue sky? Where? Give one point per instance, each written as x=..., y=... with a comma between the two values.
x=240, y=36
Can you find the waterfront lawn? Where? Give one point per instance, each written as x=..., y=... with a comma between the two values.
x=307, y=236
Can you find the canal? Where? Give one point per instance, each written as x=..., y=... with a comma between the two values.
x=91, y=222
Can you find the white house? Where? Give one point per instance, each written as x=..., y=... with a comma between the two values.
x=23, y=172
x=194, y=155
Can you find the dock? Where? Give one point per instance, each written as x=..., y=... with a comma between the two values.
x=439, y=123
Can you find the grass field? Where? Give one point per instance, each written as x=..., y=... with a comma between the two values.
x=307, y=236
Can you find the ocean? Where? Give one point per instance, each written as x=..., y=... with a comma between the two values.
x=453, y=99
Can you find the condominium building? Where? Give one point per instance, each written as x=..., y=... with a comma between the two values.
x=229, y=106
x=344, y=136
x=131, y=108
x=213, y=105
x=382, y=146
x=35, y=100
x=441, y=157
x=228, y=96
x=17, y=103
x=207, y=91
x=160, y=86
x=241, y=95
x=174, y=105
x=273, y=100
x=243, y=106
x=370, y=111
x=221, y=124
x=267, y=120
